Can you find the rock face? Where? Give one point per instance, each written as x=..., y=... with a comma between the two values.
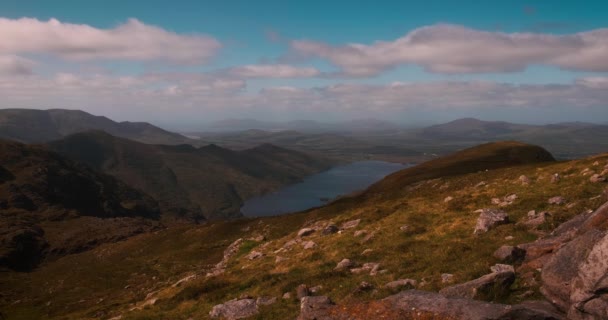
x=493, y=285
x=235, y=309
x=489, y=218
x=575, y=277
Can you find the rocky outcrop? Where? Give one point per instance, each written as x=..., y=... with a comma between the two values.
x=489, y=286
x=488, y=219
x=315, y=308
x=235, y=309
x=575, y=277
x=413, y=304
x=230, y=251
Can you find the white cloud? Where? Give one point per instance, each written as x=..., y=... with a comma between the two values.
x=14, y=65
x=190, y=95
x=132, y=40
x=272, y=71
x=455, y=49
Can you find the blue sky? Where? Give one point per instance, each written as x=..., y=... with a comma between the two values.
x=307, y=49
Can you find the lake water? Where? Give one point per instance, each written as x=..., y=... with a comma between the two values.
x=317, y=189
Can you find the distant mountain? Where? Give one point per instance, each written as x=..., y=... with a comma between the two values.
x=35, y=126
x=307, y=126
x=565, y=140
x=41, y=191
x=189, y=182
x=471, y=128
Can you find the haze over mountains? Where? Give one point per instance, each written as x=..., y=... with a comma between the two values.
x=34, y=126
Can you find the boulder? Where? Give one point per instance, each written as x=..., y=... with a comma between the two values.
x=597, y=178
x=536, y=219
x=441, y=307
x=235, y=309
x=490, y=286
x=330, y=229
x=305, y=232
x=448, y=199
x=575, y=278
x=510, y=254
x=344, y=264
x=315, y=308
x=254, y=255
x=489, y=218
x=350, y=224
x=401, y=283
x=309, y=245
x=555, y=178
x=265, y=301
x=556, y=200
x=359, y=233
x=524, y=180
x=302, y=291
x=364, y=286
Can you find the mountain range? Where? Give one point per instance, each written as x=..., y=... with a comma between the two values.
x=35, y=126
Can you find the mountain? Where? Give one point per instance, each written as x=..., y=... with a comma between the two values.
x=471, y=128
x=189, y=182
x=438, y=227
x=41, y=191
x=336, y=145
x=35, y=126
x=307, y=126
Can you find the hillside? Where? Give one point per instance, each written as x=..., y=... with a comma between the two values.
x=40, y=191
x=35, y=126
x=414, y=231
x=189, y=182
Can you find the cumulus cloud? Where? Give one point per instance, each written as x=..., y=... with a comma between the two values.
x=447, y=48
x=14, y=65
x=179, y=94
x=132, y=40
x=272, y=71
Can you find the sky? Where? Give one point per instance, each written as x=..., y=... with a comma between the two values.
x=184, y=63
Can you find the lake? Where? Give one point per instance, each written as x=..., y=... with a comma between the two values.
x=317, y=189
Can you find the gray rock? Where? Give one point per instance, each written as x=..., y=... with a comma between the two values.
x=359, y=233
x=350, y=224
x=302, y=291
x=489, y=218
x=510, y=254
x=447, y=278
x=315, y=308
x=344, y=264
x=364, y=286
x=490, y=286
x=265, y=301
x=330, y=229
x=575, y=277
x=235, y=309
x=465, y=309
x=309, y=245
x=556, y=200
x=597, y=178
x=411, y=283
x=536, y=219
x=254, y=255
x=305, y=232
x=286, y=295
x=555, y=178
x=498, y=268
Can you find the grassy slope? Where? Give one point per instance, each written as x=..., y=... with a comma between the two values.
x=439, y=240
